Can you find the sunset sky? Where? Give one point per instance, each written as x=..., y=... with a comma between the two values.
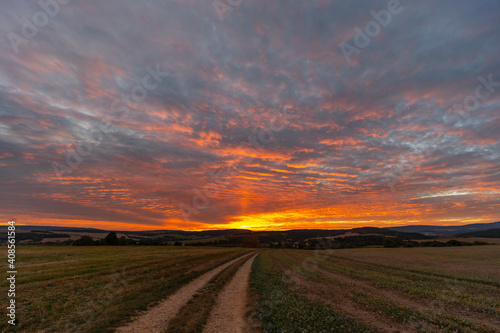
x=255, y=114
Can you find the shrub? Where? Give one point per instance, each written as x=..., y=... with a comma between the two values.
x=85, y=240
x=111, y=239
x=389, y=242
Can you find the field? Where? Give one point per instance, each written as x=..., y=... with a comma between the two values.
x=95, y=289
x=206, y=289
x=379, y=290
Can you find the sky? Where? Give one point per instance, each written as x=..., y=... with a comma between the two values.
x=208, y=114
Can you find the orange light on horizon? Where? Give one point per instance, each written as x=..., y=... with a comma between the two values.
x=249, y=225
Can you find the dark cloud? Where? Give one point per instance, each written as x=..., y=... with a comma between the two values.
x=258, y=120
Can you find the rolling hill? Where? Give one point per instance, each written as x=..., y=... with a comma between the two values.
x=490, y=233
x=433, y=230
x=232, y=237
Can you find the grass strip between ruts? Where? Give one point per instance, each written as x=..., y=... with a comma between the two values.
x=193, y=316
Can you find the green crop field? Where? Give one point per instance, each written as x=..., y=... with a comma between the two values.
x=95, y=289
x=379, y=290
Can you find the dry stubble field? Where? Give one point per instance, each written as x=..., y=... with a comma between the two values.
x=101, y=289
x=98, y=288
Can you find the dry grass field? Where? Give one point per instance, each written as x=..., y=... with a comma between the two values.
x=96, y=289
x=379, y=290
x=192, y=289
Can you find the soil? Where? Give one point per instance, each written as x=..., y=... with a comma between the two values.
x=156, y=319
x=230, y=312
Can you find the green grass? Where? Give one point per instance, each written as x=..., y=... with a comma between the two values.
x=368, y=280
x=404, y=314
x=476, y=264
x=281, y=308
x=95, y=289
x=416, y=284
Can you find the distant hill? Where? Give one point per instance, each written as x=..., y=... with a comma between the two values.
x=490, y=233
x=188, y=234
x=225, y=237
x=389, y=232
x=37, y=233
x=301, y=235
x=51, y=228
x=234, y=237
x=433, y=230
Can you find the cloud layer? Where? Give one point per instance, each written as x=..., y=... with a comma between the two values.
x=257, y=120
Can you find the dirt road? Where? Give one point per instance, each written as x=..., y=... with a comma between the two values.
x=157, y=318
x=228, y=316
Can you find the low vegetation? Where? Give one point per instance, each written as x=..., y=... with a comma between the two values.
x=415, y=289
x=420, y=289
x=95, y=289
x=282, y=308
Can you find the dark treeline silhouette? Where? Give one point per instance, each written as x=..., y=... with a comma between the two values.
x=367, y=240
x=110, y=239
x=113, y=240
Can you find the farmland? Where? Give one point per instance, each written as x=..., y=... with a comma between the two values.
x=379, y=290
x=204, y=289
x=96, y=289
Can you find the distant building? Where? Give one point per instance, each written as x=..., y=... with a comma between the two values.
x=250, y=241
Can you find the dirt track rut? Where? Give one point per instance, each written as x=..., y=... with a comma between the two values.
x=228, y=316
x=156, y=319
